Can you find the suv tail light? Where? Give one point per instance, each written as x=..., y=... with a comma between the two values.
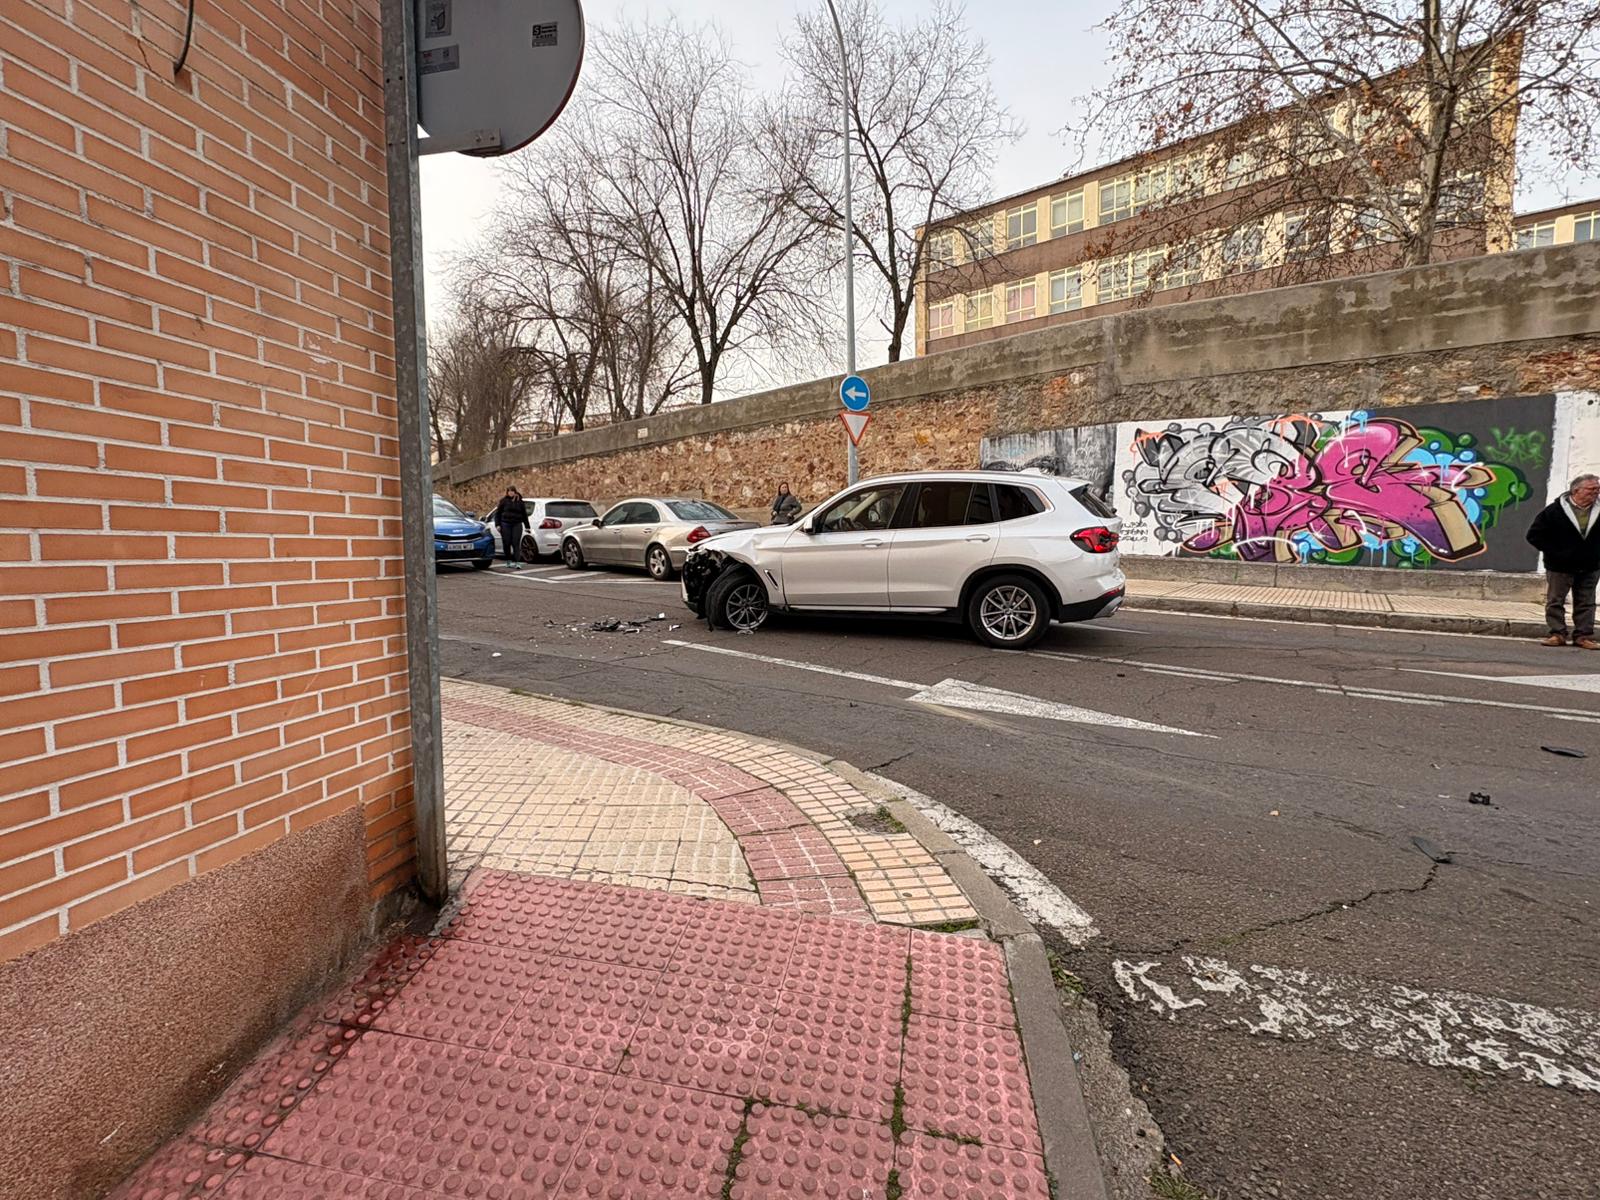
x=549, y=523
x=698, y=534
x=1096, y=539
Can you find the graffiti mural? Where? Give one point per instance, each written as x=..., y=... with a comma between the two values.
x=1087, y=452
x=1412, y=488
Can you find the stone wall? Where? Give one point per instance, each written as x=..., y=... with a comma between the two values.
x=1506, y=324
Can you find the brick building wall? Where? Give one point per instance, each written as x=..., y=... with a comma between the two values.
x=204, y=746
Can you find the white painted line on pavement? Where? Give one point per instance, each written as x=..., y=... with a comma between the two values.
x=1574, y=683
x=1199, y=616
x=1349, y=692
x=1041, y=901
x=958, y=693
x=1557, y=1047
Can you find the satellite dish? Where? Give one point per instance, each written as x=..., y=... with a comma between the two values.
x=493, y=74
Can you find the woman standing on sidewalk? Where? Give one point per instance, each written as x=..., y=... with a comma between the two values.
x=1568, y=535
x=511, y=517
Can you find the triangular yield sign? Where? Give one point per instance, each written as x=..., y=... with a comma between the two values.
x=855, y=424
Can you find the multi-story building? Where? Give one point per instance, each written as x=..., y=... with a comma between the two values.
x=1239, y=209
x=1578, y=222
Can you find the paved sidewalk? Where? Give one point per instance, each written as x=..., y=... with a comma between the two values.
x=680, y=988
x=1514, y=618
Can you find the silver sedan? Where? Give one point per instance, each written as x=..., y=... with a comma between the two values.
x=649, y=532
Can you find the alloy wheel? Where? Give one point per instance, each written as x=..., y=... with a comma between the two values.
x=746, y=607
x=659, y=563
x=1008, y=613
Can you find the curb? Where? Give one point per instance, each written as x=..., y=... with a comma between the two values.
x=1417, y=622
x=1070, y=1153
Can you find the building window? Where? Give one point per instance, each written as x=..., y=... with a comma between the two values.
x=1116, y=199
x=980, y=310
x=1066, y=214
x=1066, y=290
x=1368, y=227
x=1242, y=167
x=1586, y=228
x=1242, y=249
x=1113, y=279
x=942, y=250
x=941, y=319
x=1461, y=200
x=1181, y=266
x=1542, y=233
x=1305, y=237
x=1020, y=301
x=979, y=238
x=1022, y=226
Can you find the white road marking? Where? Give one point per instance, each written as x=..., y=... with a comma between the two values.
x=1041, y=901
x=1557, y=1047
x=1573, y=683
x=1349, y=692
x=958, y=693
x=1199, y=616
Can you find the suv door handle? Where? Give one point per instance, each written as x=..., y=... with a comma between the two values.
x=977, y=537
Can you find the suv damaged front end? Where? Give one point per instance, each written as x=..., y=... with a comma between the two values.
x=700, y=571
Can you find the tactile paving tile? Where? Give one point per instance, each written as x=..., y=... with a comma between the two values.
x=732, y=945
x=792, y=1154
x=631, y=927
x=840, y=1055
x=374, y=1108
x=940, y=1169
x=831, y=956
x=791, y=854
x=701, y=1033
x=528, y=912
x=968, y=1081
x=265, y=1092
x=651, y=1142
x=960, y=979
x=264, y=1178
x=835, y=895
x=507, y=1127
x=463, y=994
x=180, y=1170
x=380, y=981
x=582, y=1013
x=763, y=811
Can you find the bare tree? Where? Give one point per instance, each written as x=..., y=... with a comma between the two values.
x=1379, y=126
x=925, y=129
x=689, y=194
x=477, y=387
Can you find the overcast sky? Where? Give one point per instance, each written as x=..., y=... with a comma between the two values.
x=1044, y=55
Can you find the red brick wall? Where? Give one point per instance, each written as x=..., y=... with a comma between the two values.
x=201, y=621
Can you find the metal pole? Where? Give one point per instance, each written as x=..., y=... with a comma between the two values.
x=416, y=469
x=852, y=462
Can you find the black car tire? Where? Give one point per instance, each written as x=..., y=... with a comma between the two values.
x=1009, y=612
x=658, y=562
x=572, y=555
x=482, y=564
x=528, y=548
x=738, y=601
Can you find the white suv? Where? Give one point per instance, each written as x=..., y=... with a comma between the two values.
x=1007, y=553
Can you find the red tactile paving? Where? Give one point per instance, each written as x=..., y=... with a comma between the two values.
x=970, y=1081
x=833, y=896
x=761, y=811
x=833, y=955
x=960, y=978
x=651, y=1141
x=940, y=1169
x=632, y=927
x=791, y=854
x=463, y=994
x=790, y=1154
x=838, y=1055
x=379, y=982
x=264, y=1178
x=179, y=1170
x=528, y=913
x=737, y=944
x=704, y=1034
x=582, y=1013
x=265, y=1092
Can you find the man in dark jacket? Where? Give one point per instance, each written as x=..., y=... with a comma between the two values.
x=511, y=516
x=1568, y=535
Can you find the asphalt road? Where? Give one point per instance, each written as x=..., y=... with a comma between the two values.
x=1311, y=1005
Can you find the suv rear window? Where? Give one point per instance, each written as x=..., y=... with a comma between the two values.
x=1084, y=496
x=569, y=508
x=1018, y=502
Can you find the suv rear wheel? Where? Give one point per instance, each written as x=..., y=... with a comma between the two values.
x=737, y=601
x=1010, y=612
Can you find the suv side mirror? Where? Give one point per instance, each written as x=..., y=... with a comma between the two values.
x=809, y=525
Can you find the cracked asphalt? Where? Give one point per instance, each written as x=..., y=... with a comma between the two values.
x=1283, y=839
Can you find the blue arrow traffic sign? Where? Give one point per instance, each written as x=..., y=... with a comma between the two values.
x=854, y=393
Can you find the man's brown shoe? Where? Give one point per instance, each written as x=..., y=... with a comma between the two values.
x=1555, y=639
x=1587, y=644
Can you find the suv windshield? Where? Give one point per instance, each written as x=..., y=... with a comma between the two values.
x=569, y=508
x=443, y=510
x=699, y=510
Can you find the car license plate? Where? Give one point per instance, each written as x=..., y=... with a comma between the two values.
x=458, y=546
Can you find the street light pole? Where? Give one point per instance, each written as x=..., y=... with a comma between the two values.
x=853, y=465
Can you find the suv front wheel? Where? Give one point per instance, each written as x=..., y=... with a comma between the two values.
x=737, y=601
x=1009, y=612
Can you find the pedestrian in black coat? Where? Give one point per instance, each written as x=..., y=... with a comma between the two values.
x=1567, y=534
x=511, y=518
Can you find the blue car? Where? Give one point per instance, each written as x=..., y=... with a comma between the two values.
x=459, y=538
